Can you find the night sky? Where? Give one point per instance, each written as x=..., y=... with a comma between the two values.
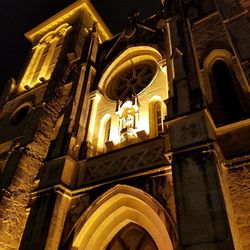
x=19, y=16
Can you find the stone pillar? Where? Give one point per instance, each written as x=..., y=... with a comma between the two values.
x=61, y=208
x=201, y=215
x=94, y=99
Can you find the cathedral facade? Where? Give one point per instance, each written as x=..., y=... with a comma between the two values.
x=135, y=141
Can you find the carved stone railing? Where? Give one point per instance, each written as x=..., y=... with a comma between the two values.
x=125, y=161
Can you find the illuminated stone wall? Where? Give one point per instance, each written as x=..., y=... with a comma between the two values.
x=238, y=186
x=104, y=107
x=16, y=197
x=77, y=181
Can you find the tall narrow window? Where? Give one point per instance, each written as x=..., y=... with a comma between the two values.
x=55, y=56
x=107, y=131
x=226, y=107
x=155, y=118
x=44, y=58
x=104, y=133
x=36, y=72
x=158, y=118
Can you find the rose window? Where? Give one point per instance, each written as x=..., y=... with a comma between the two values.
x=131, y=80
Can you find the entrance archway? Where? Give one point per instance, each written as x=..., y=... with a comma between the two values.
x=114, y=211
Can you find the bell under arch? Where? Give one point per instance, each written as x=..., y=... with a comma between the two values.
x=118, y=209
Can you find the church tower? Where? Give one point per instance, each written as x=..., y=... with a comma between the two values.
x=135, y=141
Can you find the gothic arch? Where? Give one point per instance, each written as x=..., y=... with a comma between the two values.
x=217, y=54
x=116, y=209
x=223, y=90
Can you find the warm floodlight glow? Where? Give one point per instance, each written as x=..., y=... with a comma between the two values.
x=45, y=53
x=115, y=212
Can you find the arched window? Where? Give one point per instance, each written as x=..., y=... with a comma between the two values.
x=155, y=118
x=107, y=128
x=104, y=133
x=158, y=118
x=226, y=106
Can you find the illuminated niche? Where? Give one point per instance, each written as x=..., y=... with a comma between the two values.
x=44, y=58
x=104, y=133
x=126, y=82
x=128, y=120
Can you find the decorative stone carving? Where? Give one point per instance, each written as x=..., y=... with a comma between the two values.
x=127, y=160
x=190, y=130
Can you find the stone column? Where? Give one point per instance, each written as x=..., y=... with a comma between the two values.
x=201, y=214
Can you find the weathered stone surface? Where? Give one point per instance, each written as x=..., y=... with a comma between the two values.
x=38, y=222
x=209, y=34
x=231, y=143
x=239, y=31
x=190, y=130
x=17, y=195
x=229, y=8
x=238, y=181
x=200, y=214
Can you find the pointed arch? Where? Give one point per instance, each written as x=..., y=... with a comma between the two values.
x=224, y=93
x=117, y=208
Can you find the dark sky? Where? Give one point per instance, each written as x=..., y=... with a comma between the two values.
x=19, y=16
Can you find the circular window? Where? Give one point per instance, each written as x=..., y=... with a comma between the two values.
x=131, y=80
x=20, y=114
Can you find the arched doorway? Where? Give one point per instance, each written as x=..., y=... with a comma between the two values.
x=120, y=212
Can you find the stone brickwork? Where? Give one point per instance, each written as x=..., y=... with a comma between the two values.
x=16, y=196
x=229, y=8
x=238, y=182
x=207, y=37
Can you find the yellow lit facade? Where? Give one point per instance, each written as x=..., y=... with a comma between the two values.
x=44, y=58
x=134, y=141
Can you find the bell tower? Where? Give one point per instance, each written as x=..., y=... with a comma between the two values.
x=33, y=115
